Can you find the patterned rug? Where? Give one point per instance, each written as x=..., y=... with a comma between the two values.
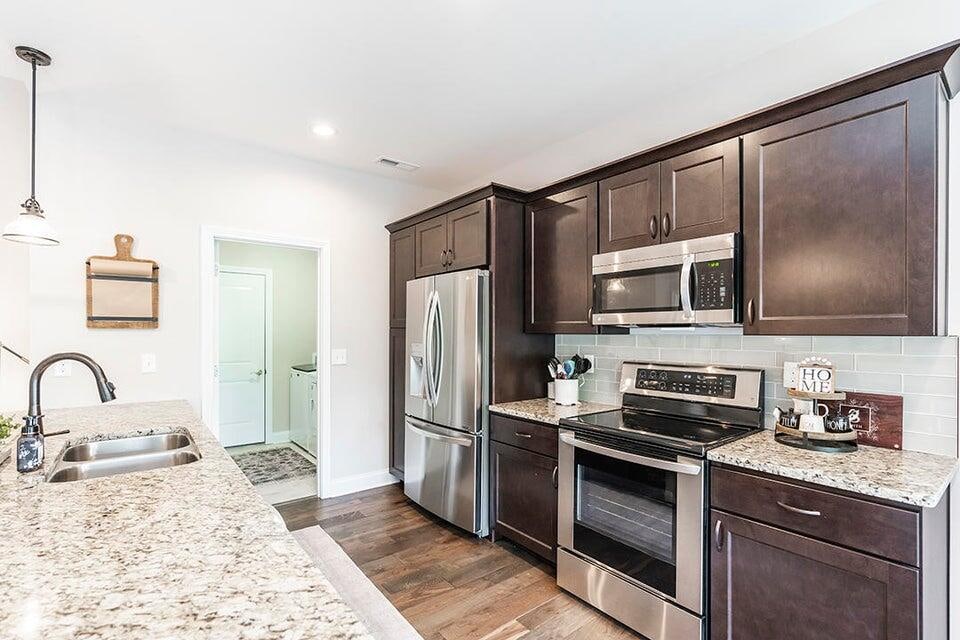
x=271, y=465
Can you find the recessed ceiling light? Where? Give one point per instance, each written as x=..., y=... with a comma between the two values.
x=323, y=130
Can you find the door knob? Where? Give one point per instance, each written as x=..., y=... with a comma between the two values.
x=259, y=372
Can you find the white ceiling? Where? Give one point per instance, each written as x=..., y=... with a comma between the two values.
x=461, y=87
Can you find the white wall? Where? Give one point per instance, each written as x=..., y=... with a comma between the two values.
x=14, y=265
x=294, y=274
x=100, y=176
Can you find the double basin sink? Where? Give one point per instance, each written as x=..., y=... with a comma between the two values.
x=127, y=454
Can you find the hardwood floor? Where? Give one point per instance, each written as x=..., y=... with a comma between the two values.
x=448, y=584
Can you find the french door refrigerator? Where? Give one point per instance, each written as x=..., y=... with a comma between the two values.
x=447, y=372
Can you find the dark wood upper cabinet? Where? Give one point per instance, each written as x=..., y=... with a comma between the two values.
x=397, y=399
x=630, y=209
x=402, y=268
x=431, y=246
x=467, y=236
x=841, y=216
x=700, y=193
x=768, y=583
x=456, y=240
x=561, y=240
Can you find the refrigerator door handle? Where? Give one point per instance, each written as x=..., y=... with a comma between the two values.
x=428, y=349
x=440, y=338
x=460, y=441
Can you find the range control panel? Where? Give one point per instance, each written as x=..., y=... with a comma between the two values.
x=717, y=385
x=715, y=284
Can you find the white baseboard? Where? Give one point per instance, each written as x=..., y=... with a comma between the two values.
x=358, y=482
x=278, y=436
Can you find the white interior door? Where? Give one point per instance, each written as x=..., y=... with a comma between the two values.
x=242, y=358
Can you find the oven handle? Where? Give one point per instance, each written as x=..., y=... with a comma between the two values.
x=677, y=467
x=686, y=271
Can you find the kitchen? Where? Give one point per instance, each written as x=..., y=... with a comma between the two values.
x=681, y=293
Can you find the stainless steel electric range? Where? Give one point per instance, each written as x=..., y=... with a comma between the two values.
x=633, y=493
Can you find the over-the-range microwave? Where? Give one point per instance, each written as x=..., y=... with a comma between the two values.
x=691, y=282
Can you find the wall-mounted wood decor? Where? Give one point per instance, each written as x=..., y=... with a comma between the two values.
x=123, y=292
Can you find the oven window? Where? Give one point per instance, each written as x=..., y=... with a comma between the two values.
x=625, y=518
x=638, y=291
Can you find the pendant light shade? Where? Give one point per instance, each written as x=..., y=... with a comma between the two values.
x=30, y=227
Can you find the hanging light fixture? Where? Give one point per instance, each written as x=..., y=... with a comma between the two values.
x=30, y=226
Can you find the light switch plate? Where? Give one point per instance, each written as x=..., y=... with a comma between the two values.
x=338, y=356
x=63, y=369
x=148, y=363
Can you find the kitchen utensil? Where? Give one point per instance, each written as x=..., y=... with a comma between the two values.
x=568, y=368
x=552, y=370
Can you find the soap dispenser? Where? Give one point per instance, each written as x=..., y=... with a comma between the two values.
x=30, y=448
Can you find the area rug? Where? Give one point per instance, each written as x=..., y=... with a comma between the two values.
x=380, y=617
x=270, y=465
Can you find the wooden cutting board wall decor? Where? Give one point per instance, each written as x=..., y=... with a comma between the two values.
x=123, y=292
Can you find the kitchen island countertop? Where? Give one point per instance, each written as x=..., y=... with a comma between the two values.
x=908, y=477
x=547, y=411
x=184, y=552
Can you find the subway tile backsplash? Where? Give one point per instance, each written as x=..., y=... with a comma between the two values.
x=922, y=370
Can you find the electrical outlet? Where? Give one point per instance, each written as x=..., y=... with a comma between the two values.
x=338, y=356
x=148, y=363
x=63, y=369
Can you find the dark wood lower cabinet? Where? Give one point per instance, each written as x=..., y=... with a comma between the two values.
x=769, y=583
x=524, y=498
x=398, y=345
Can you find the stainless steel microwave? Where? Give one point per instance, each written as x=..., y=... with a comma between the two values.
x=679, y=283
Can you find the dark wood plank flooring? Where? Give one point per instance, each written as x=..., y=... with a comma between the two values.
x=448, y=584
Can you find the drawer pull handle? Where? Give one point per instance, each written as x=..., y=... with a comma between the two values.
x=554, y=478
x=802, y=512
x=718, y=535
x=522, y=435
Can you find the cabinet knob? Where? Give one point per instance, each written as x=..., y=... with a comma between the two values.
x=718, y=535
x=450, y=257
x=653, y=226
x=750, y=311
x=443, y=258
x=665, y=223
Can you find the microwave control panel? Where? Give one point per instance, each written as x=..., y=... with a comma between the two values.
x=716, y=385
x=715, y=284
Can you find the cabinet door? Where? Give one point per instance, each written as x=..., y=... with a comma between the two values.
x=431, y=246
x=402, y=267
x=525, y=498
x=397, y=398
x=700, y=193
x=561, y=240
x=767, y=583
x=840, y=215
x=467, y=236
x=630, y=209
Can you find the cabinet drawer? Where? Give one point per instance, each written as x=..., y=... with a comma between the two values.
x=539, y=438
x=882, y=530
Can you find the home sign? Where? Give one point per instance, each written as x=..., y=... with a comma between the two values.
x=815, y=375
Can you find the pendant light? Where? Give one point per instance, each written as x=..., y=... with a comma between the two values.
x=30, y=226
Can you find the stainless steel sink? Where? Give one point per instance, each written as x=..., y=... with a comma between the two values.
x=104, y=449
x=124, y=455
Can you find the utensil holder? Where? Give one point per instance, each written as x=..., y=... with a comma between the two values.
x=550, y=390
x=566, y=392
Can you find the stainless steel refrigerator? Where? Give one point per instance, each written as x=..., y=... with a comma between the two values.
x=447, y=373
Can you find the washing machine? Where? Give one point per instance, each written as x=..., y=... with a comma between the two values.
x=303, y=407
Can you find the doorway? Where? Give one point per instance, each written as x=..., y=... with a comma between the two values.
x=264, y=357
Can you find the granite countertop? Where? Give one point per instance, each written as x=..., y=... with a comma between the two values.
x=908, y=477
x=185, y=552
x=547, y=411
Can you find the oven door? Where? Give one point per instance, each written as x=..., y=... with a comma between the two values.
x=637, y=514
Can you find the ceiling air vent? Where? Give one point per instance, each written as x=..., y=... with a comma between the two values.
x=393, y=163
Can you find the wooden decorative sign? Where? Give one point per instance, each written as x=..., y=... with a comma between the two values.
x=815, y=375
x=877, y=418
x=123, y=292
